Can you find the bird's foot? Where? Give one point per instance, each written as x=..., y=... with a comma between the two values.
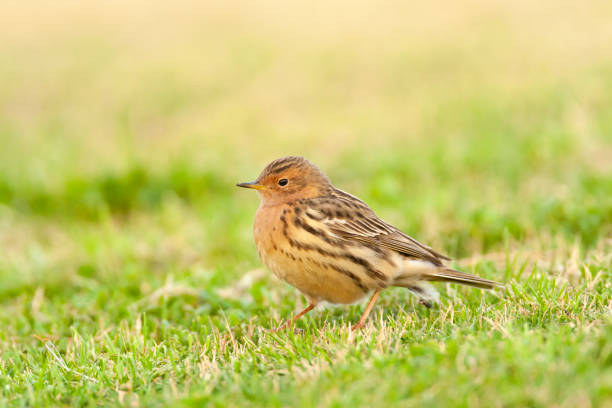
x=284, y=326
x=358, y=326
x=425, y=303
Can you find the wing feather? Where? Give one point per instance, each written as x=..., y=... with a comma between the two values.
x=363, y=225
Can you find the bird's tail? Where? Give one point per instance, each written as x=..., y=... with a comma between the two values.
x=444, y=274
x=415, y=276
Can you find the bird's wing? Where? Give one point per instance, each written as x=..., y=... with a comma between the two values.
x=360, y=223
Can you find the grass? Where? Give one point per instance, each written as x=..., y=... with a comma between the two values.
x=128, y=275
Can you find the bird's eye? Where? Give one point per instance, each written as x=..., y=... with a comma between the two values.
x=283, y=182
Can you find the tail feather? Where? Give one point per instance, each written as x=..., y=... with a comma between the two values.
x=450, y=275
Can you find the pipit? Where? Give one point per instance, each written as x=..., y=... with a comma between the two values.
x=332, y=247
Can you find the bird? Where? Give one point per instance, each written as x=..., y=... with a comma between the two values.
x=332, y=247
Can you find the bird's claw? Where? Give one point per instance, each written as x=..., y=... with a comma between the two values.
x=425, y=303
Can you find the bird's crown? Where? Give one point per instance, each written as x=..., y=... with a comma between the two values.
x=290, y=178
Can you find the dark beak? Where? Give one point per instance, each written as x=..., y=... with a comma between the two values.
x=253, y=184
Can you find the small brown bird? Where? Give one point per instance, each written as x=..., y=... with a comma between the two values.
x=331, y=246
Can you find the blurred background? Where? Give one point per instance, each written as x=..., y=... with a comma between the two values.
x=124, y=126
x=127, y=266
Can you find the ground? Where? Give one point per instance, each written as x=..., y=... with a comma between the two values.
x=128, y=273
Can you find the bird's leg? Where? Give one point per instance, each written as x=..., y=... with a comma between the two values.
x=366, y=312
x=297, y=316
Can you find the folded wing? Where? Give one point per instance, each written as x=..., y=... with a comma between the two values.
x=362, y=224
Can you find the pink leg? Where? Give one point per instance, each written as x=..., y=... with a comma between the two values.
x=302, y=313
x=366, y=312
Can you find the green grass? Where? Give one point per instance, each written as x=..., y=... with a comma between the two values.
x=128, y=274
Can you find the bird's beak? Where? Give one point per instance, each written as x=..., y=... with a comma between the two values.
x=253, y=184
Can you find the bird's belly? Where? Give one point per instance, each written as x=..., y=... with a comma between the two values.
x=314, y=280
x=315, y=264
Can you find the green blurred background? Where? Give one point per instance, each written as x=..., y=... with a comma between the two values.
x=478, y=127
x=458, y=122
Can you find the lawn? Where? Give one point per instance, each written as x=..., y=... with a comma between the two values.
x=128, y=272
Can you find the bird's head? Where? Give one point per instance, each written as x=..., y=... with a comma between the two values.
x=289, y=178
